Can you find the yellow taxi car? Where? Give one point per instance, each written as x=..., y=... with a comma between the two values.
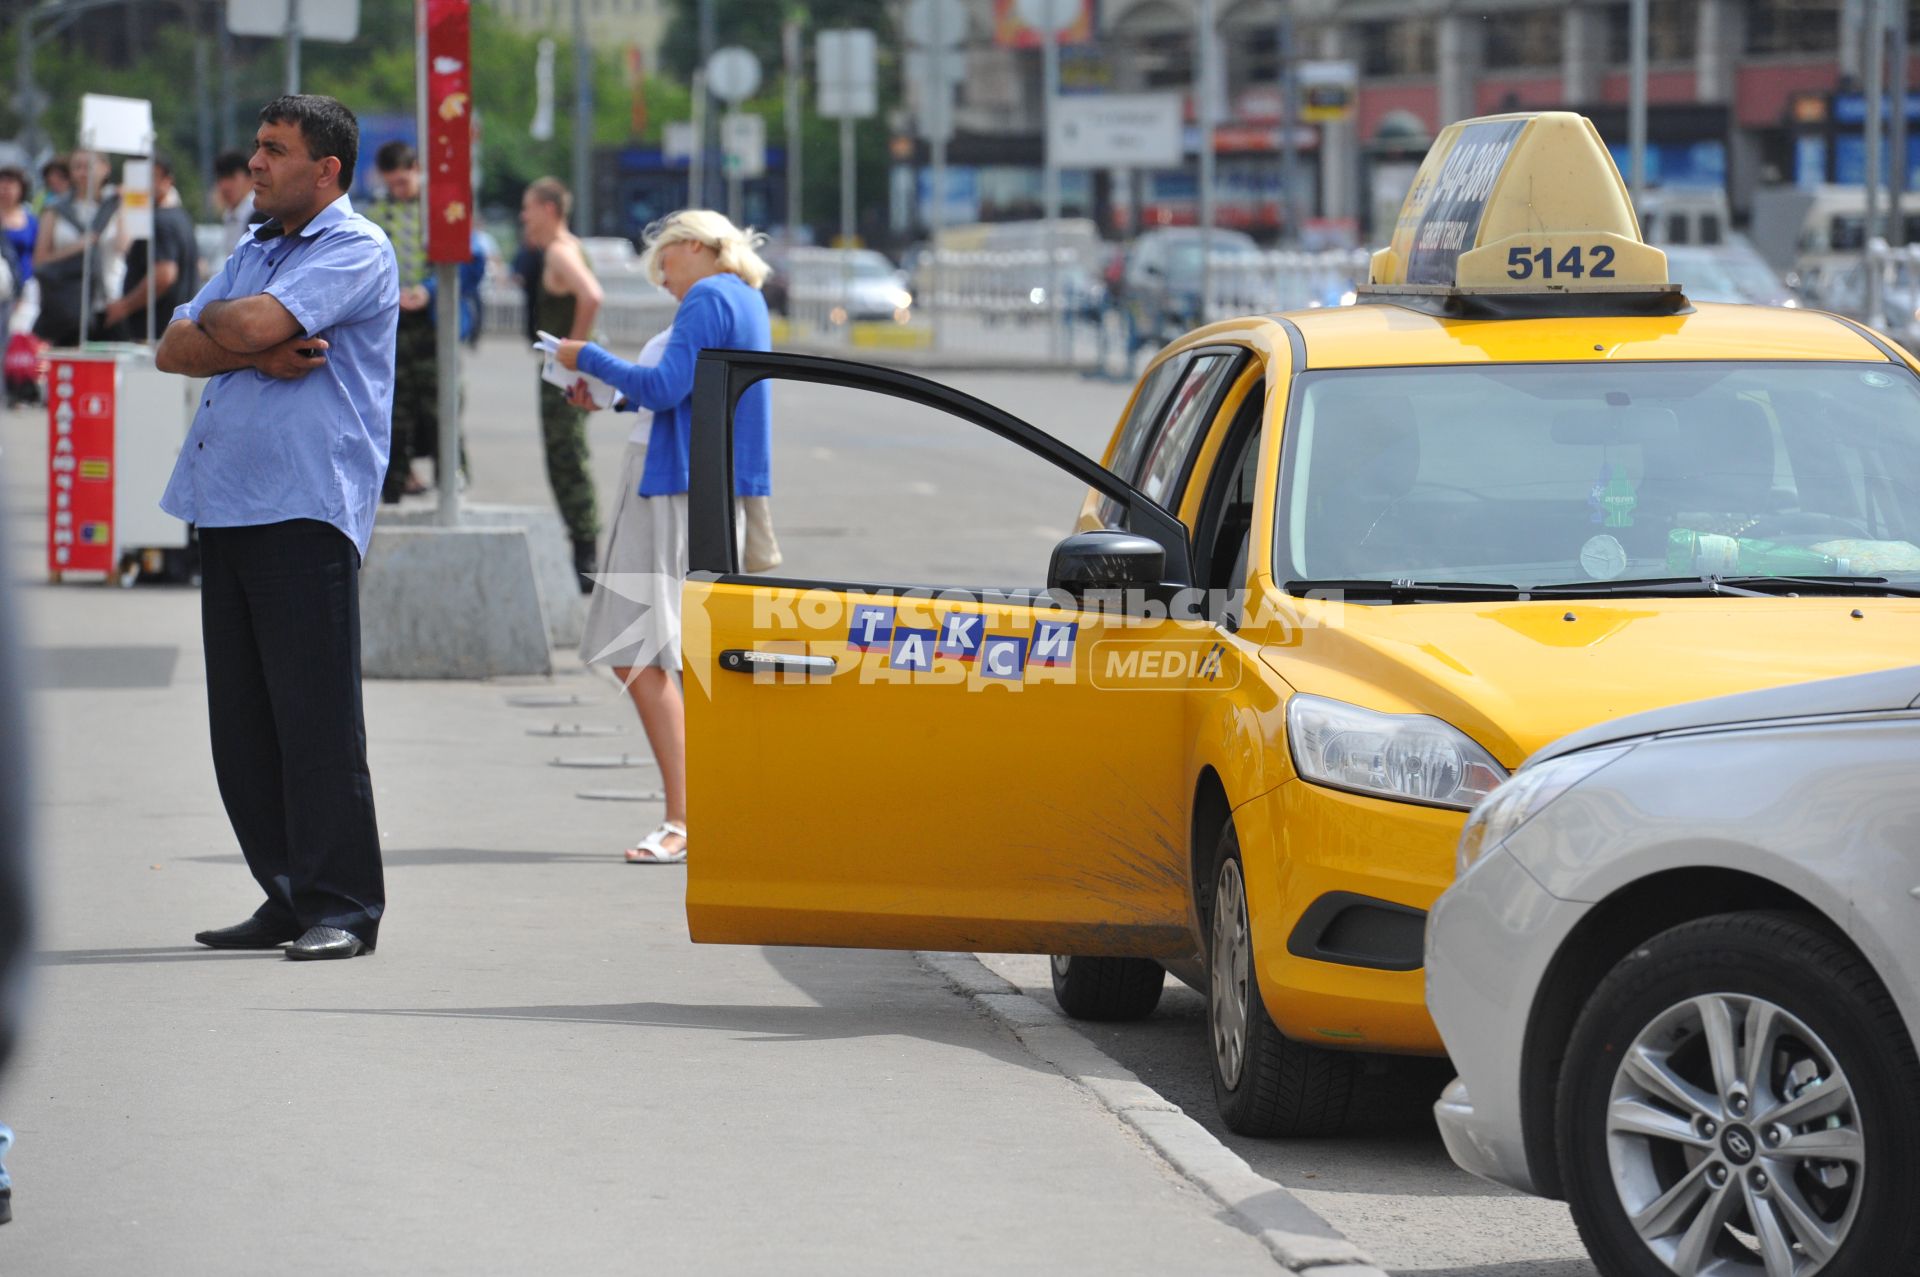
x=1340, y=573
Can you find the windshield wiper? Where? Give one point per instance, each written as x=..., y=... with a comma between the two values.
x=1410, y=591
x=1758, y=587
x=1684, y=586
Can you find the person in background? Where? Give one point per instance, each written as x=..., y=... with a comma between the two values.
x=281, y=474
x=233, y=192
x=176, y=270
x=56, y=181
x=566, y=302
x=711, y=268
x=70, y=234
x=416, y=379
x=17, y=220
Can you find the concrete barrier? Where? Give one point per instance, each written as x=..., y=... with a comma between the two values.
x=552, y=556
x=450, y=603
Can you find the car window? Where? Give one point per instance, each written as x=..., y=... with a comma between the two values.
x=1165, y=466
x=1552, y=474
x=1139, y=427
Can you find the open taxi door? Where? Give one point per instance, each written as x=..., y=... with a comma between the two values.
x=873, y=765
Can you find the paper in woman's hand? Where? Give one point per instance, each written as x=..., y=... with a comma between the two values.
x=553, y=373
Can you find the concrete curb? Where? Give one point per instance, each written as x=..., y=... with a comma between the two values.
x=1304, y=1244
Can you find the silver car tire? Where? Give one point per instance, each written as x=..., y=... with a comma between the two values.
x=1736, y=1101
x=1264, y=1083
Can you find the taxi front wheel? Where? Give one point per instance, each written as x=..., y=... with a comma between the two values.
x=1107, y=988
x=1266, y=1084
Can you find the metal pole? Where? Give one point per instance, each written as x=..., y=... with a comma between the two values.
x=153, y=242
x=697, y=162
x=202, y=106
x=1204, y=34
x=1050, y=188
x=847, y=192
x=582, y=123
x=1637, y=103
x=940, y=116
x=703, y=129
x=29, y=91
x=1896, y=214
x=1876, y=40
x=790, y=46
x=446, y=470
x=293, y=46
x=1289, y=122
x=228, y=97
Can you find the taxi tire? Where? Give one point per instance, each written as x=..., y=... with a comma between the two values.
x=1107, y=989
x=1794, y=962
x=1286, y=1088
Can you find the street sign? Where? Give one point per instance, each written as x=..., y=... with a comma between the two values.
x=1118, y=130
x=844, y=65
x=446, y=148
x=677, y=140
x=334, y=20
x=936, y=22
x=743, y=141
x=733, y=74
x=934, y=75
x=1060, y=16
x=118, y=126
x=1327, y=91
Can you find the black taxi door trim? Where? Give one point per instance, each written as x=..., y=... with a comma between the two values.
x=722, y=376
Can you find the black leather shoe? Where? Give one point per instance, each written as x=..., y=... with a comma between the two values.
x=254, y=933
x=327, y=942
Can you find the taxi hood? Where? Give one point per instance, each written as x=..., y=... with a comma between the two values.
x=1517, y=676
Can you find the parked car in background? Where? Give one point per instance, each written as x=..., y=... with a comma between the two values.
x=1163, y=276
x=1679, y=975
x=1731, y=271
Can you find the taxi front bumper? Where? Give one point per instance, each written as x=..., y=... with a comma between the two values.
x=1338, y=885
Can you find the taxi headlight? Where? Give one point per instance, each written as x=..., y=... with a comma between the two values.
x=1523, y=797
x=1409, y=757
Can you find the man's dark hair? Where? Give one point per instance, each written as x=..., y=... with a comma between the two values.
x=394, y=156
x=56, y=166
x=327, y=125
x=229, y=163
x=162, y=166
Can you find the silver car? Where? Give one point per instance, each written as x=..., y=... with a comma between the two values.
x=1679, y=975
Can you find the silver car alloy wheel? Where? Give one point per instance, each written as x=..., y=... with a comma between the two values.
x=1734, y=1141
x=1227, y=967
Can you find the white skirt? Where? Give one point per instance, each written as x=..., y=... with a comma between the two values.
x=633, y=618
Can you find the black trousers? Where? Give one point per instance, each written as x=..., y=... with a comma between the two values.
x=280, y=620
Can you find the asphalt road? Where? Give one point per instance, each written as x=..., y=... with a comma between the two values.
x=868, y=489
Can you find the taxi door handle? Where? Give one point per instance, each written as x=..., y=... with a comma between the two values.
x=744, y=661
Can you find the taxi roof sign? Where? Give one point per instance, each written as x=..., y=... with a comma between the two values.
x=1529, y=204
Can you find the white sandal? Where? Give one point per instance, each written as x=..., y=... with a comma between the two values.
x=652, y=849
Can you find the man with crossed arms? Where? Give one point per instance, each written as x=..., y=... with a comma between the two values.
x=282, y=473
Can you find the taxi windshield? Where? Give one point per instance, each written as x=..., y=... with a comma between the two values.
x=1556, y=474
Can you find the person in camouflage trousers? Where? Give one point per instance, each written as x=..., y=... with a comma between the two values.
x=416, y=369
x=566, y=302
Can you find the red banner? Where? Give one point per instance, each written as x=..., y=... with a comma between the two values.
x=1010, y=30
x=80, y=413
x=447, y=128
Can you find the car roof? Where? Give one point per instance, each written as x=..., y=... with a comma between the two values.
x=1387, y=335
x=1880, y=692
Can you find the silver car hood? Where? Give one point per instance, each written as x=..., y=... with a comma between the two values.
x=1878, y=692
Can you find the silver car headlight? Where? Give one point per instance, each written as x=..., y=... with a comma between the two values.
x=1522, y=798
x=1410, y=757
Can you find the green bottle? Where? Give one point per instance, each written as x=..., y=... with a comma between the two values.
x=1692, y=553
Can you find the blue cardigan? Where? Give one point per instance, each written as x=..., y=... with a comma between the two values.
x=721, y=311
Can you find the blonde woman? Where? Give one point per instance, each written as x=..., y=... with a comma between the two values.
x=633, y=619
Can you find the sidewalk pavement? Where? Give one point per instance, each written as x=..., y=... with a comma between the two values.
x=537, y=1071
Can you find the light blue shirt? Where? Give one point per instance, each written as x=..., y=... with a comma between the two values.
x=263, y=450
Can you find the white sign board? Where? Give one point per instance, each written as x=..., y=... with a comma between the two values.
x=931, y=23
x=844, y=64
x=1117, y=130
x=743, y=144
x=733, y=73
x=933, y=75
x=136, y=199
x=334, y=20
x=119, y=126
x=1042, y=14
x=677, y=140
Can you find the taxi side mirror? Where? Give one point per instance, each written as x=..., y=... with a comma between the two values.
x=1106, y=560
